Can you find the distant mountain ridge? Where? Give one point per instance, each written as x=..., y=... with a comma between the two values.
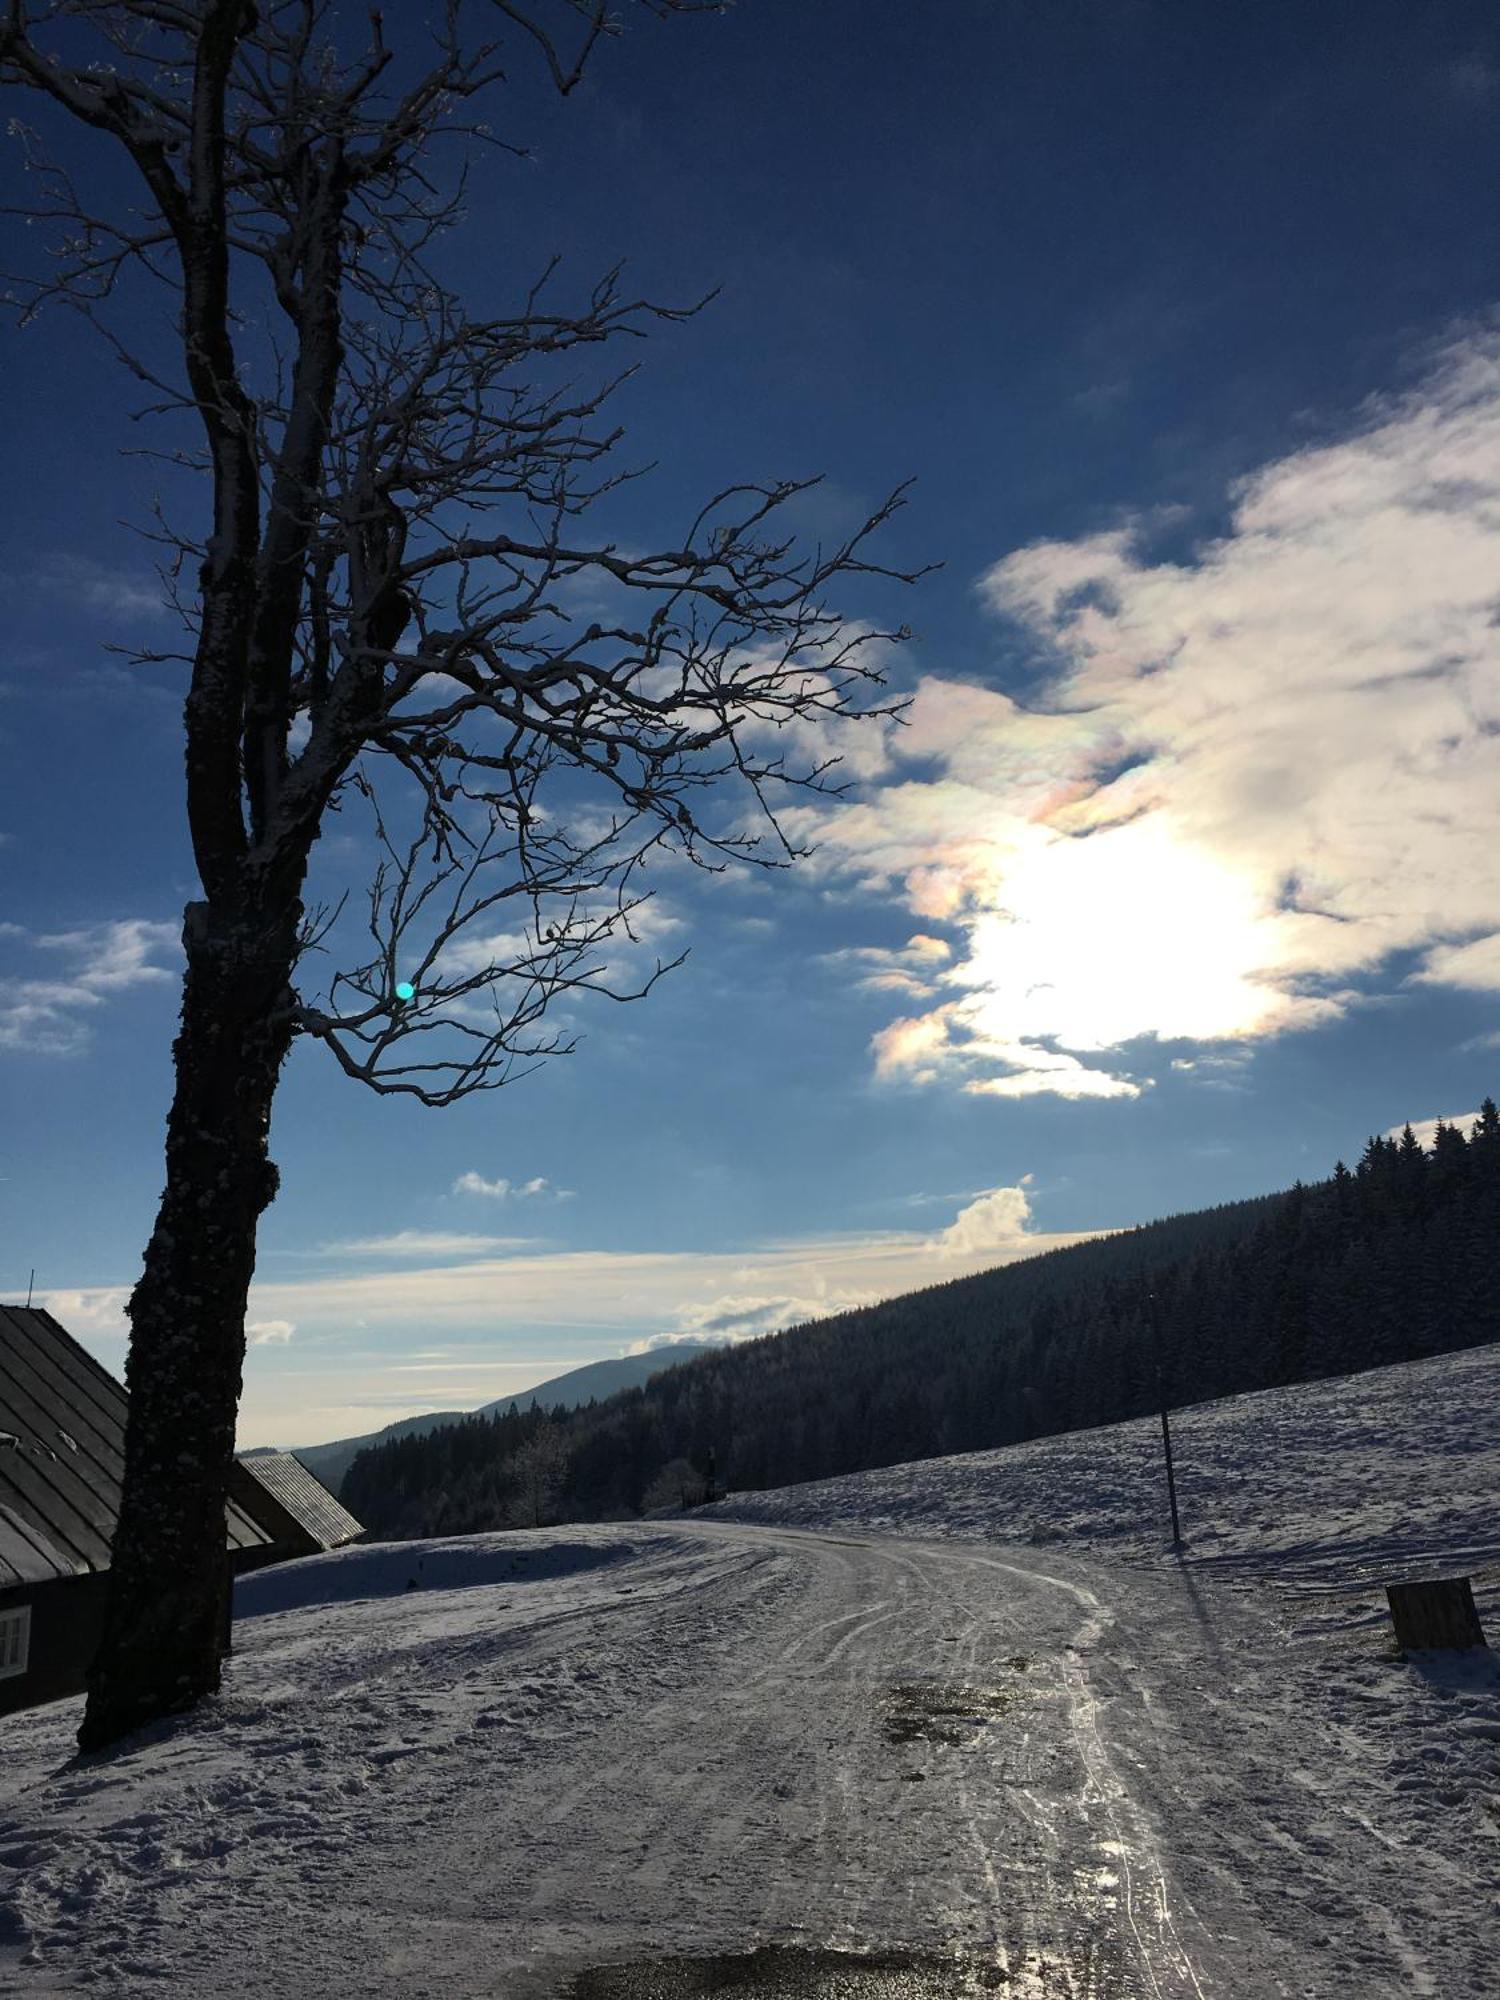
x=1391, y=1262
x=594, y=1380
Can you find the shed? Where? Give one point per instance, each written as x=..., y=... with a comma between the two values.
x=293, y=1506
x=62, y=1457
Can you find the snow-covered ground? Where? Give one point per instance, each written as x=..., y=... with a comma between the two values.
x=974, y=1708
x=1374, y=1476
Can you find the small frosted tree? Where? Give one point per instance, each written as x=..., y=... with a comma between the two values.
x=678, y=1484
x=537, y=1472
x=396, y=492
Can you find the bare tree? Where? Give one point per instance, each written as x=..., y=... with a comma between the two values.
x=383, y=607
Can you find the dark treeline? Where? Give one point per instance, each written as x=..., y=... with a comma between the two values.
x=489, y=1471
x=1390, y=1262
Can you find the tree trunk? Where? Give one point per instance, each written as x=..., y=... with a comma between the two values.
x=163, y=1635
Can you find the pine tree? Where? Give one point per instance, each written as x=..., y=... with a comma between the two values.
x=1411, y=1173
x=1450, y=1156
x=1484, y=1141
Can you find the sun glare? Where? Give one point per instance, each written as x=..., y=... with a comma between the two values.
x=1131, y=931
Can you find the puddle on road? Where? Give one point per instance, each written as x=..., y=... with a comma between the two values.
x=784, y=1972
x=934, y=1713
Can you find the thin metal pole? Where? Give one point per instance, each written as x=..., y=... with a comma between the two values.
x=29, y=1283
x=1166, y=1434
x=1166, y=1445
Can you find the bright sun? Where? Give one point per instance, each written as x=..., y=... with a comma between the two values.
x=1094, y=941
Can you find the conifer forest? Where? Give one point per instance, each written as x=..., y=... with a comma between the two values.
x=1388, y=1262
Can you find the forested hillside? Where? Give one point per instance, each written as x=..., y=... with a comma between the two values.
x=595, y=1379
x=1388, y=1263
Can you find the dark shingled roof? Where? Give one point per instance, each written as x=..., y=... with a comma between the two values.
x=62, y=1455
x=303, y=1496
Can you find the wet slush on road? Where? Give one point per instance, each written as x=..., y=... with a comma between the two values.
x=777, y=1972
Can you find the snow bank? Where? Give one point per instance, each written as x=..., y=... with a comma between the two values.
x=391, y=1569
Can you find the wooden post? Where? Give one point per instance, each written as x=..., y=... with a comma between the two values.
x=1166, y=1435
x=1166, y=1445
x=1435, y=1617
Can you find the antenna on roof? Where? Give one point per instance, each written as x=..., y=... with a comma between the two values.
x=29, y=1283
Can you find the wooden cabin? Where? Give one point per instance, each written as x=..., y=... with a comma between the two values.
x=62, y=1457
x=297, y=1511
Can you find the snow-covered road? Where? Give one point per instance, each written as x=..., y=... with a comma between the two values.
x=902, y=1748
x=596, y=1745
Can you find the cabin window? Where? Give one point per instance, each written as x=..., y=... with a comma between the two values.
x=15, y=1641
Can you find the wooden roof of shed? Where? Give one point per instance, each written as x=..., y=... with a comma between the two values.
x=303, y=1496
x=62, y=1455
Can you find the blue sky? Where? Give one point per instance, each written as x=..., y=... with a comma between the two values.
x=1181, y=879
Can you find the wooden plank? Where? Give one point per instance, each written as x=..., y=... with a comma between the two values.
x=1436, y=1616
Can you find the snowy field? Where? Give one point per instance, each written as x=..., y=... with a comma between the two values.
x=1373, y=1476
x=974, y=1709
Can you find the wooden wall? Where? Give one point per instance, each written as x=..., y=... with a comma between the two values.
x=67, y=1617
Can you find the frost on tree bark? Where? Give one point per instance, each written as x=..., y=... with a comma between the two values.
x=398, y=513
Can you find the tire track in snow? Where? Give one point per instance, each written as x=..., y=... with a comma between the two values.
x=1134, y=1844
x=1044, y=1945
x=1167, y=1967
x=656, y=1774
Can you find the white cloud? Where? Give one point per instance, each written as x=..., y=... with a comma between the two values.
x=684, y=1337
x=1059, y=1076
x=954, y=1041
x=119, y=594
x=507, y=1190
x=645, y=1295
x=944, y=1200
x=112, y=956
x=999, y=1219
x=585, y=1304
x=1426, y=1128
x=623, y=958
x=474, y=951
x=1474, y=966
x=855, y=746
x=996, y=1225
x=97, y=1310
x=1256, y=776
x=43, y=1016
x=425, y=1243
x=906, y=969
x=269, y=1332
x=735, y=1316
